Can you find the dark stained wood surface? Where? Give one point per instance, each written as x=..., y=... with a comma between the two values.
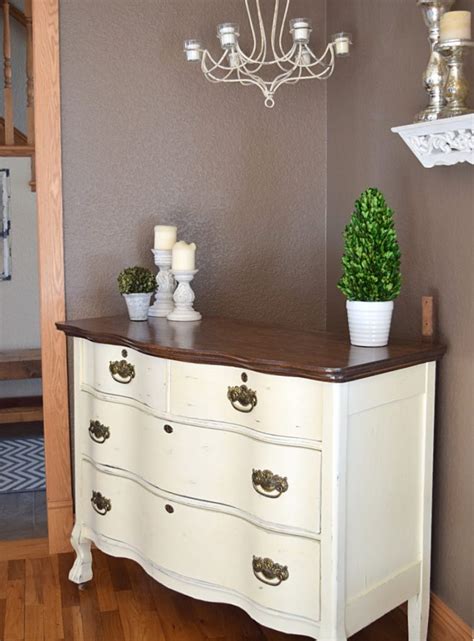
x=317, y=355
x=20, y=363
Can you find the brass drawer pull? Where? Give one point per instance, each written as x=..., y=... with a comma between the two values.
x=242, y=398
x=100, y=504
x=268, y=484
x=122, y=371
x=273, y=573
x=99, y=433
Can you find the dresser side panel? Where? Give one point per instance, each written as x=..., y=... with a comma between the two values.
x=386, y=492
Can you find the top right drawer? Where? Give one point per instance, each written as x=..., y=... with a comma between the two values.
x=274, y=405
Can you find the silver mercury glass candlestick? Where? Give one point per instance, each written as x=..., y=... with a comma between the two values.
x=184, y=297
x=434, y=78
x=457, y=87
x=165, y=282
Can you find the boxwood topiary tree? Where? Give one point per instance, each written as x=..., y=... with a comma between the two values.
x=136, y=280
x=371, y=261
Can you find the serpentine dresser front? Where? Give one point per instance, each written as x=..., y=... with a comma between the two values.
x=284, y=472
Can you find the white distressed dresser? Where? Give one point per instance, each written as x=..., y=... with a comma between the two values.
x=284, y=472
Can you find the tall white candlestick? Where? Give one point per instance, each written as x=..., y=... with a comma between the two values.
x=455, y=25
x=165, y=236
x=184, y=256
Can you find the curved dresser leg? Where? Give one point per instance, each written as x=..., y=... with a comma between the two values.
x=418, y=614
x=81, y=571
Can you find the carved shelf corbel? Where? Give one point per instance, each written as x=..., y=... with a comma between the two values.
x=441, y=142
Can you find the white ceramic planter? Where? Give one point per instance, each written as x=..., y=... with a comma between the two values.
x=369, y=322
x=138, y=306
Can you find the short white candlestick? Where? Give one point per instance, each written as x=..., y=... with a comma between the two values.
x=165, y=283
x=184, y=297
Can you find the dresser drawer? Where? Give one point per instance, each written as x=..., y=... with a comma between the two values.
x=204, y=545
x=124, y=372
x=284, y=406
x=215, y=465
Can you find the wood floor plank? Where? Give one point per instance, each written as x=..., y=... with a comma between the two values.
x=16, y=570
x=72, y=623
x=90, y=612
x=120, y=578
x=14, y=626
x=3, y=579
x=34, y=622
x=2, y=615
x=33, y=582
x=103, y=583
x=53, y=622
x=177, y=624
x=209, y=619
x=141, y=585
x=69, y=590
x=23, y=549
x=110, y=627
x=138, y=624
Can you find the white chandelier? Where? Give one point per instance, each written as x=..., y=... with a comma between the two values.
x=298, y=63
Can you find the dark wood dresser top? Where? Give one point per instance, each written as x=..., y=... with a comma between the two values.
x=317, y=355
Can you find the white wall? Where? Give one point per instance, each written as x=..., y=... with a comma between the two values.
x=19, y=297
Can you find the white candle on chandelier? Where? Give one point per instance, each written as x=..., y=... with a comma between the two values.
x=342, y=42
x=165, y=236
x=183, y=256
x=300, y=29
x=455, y=25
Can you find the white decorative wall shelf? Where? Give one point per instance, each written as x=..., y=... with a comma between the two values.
x=441, y=142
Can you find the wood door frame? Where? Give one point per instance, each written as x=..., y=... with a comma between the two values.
x=47, y=102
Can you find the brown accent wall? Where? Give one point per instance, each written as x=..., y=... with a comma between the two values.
x=379, y=88
x=147, y=140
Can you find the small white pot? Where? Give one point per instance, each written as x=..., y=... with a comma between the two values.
x=138, y=306
x=369, y=322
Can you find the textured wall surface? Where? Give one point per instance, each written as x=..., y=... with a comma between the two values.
x=435, y=218
x=147, y=140
x=19, y=297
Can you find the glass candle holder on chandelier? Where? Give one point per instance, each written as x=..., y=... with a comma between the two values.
x=299, y=62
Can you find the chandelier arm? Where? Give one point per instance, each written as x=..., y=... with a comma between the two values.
x=326, y=72
x=262, y=52
x=252, y=29
x=280, y=39
x=287, y=58
x=285, y=78
x=253, y=80
x=277, y=59
x=209, y=72
x=320, y=61
x=324, y=75
x=216, y=64
x=263, y=35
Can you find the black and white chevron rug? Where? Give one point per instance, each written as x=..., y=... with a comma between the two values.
x=22, y=464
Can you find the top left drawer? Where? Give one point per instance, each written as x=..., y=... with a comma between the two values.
x=124, y=372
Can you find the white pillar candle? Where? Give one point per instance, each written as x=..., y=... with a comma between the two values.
x=165, y=236
x=342, y=46
x=455, y=25
x=183, y=256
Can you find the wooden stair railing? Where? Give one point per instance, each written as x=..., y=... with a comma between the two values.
x=12, y=141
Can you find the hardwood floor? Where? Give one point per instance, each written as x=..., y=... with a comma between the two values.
x=39, y=603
